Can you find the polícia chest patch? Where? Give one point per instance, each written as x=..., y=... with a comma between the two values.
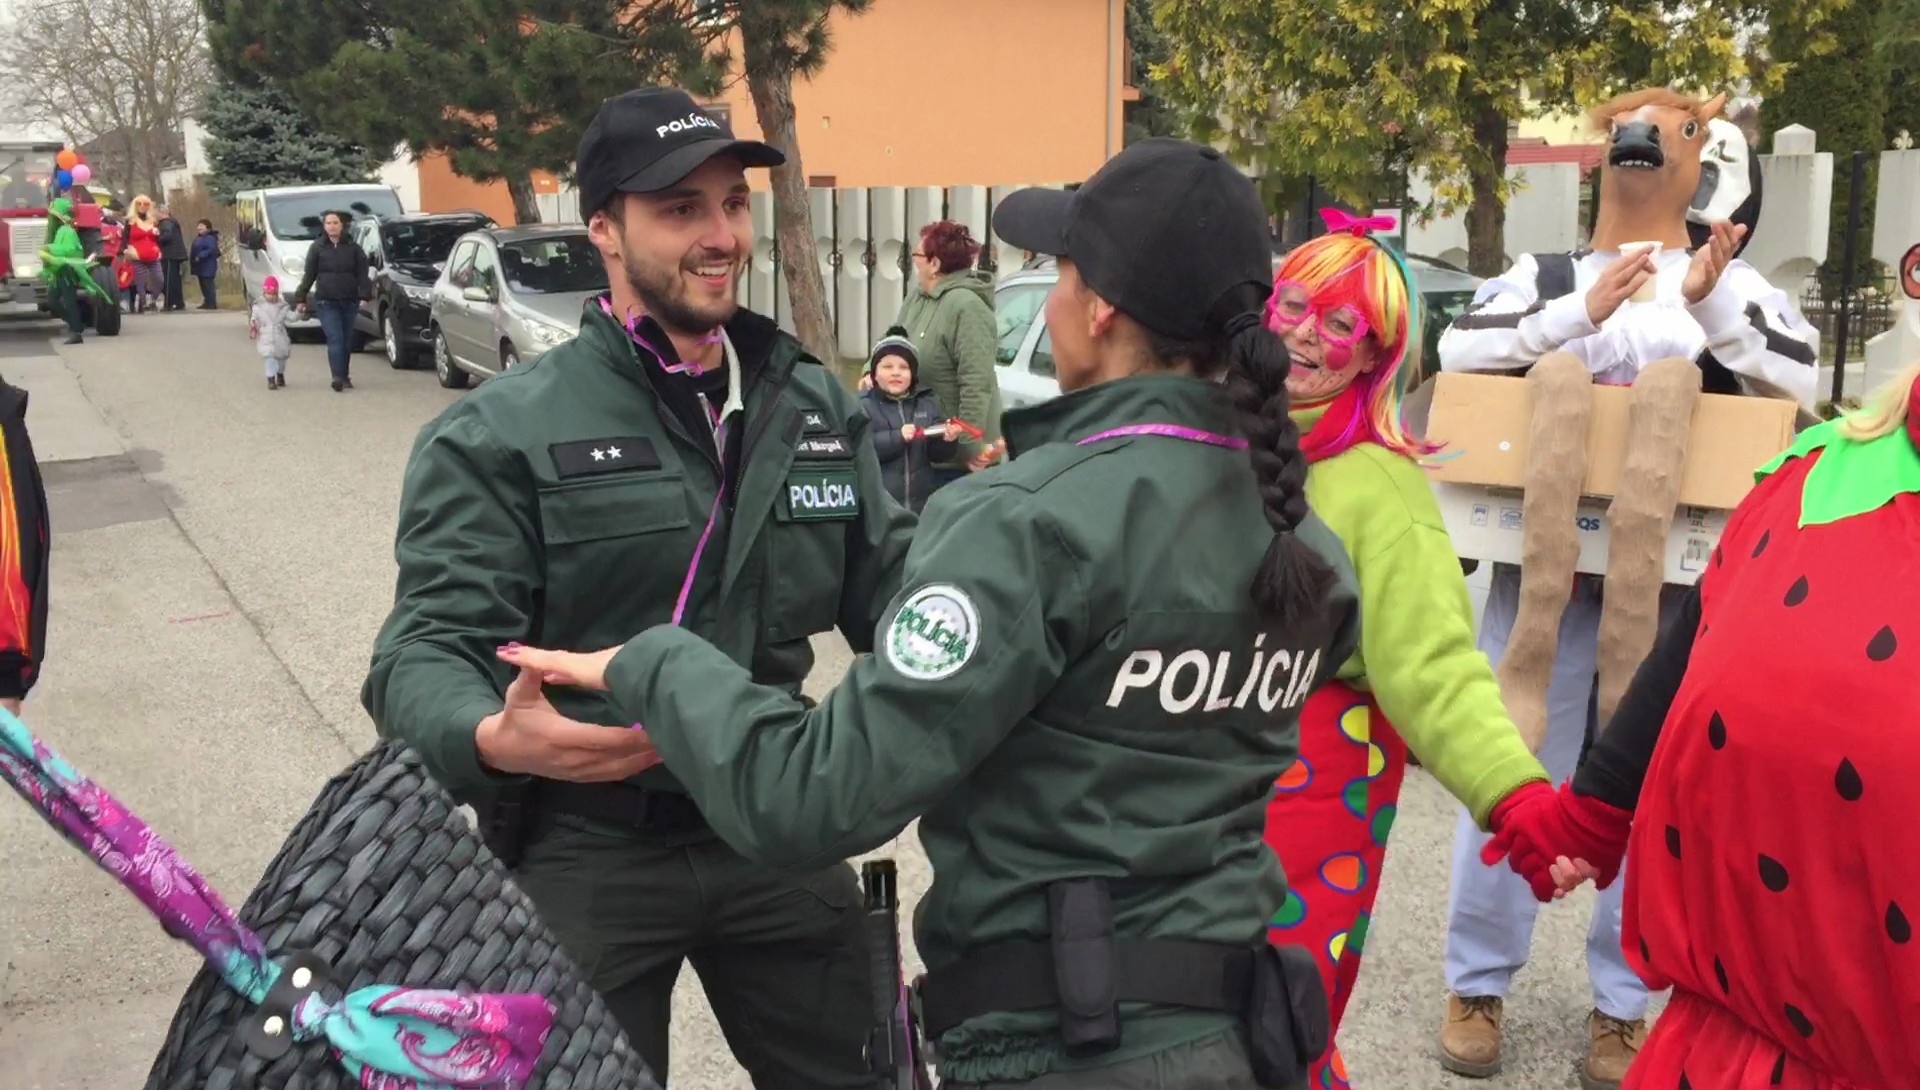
x=821, y=492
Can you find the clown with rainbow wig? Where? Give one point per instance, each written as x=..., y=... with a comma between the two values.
x=1348, y=311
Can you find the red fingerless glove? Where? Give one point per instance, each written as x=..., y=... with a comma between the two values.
x=1535, y=825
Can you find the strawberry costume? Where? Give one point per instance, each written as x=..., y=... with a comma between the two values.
x=1766, y=762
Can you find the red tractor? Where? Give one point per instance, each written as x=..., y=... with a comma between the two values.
x=27, y=170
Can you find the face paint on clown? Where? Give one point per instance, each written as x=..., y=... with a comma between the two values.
x=1329, y=343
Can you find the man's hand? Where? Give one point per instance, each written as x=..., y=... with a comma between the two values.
x=1711, y=260
x=530, y=736
x=1617, y=283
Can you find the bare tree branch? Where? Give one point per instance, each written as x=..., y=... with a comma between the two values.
x=128, y=71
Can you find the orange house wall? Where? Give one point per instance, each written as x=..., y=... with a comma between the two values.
x=929, y=93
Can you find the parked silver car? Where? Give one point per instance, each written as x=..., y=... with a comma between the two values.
x=508, y=294
x=1024, y=356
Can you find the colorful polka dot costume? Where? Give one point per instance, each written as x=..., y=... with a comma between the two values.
x=1328, y=820
x=1774, y=885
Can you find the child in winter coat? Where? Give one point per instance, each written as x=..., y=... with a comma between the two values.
x=267, y=325
x=909, y=430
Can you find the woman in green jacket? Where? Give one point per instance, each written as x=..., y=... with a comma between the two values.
x=949, y=316
x=1088, y=683
x=1348, y=311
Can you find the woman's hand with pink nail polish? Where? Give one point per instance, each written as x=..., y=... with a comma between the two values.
x=583, y=670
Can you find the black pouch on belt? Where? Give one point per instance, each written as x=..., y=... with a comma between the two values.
x=1288, y=1020
x=1085, y=971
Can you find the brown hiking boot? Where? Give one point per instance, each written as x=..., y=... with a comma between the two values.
x=1470, y=1040
x=1612, y=1045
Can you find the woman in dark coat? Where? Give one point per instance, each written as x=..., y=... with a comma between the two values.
x=173, y=258
x=206, y=262
x=337, y=278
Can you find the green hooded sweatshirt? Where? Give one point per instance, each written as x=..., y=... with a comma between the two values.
x=953, y=332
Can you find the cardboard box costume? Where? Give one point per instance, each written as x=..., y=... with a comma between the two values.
x=1671, y=165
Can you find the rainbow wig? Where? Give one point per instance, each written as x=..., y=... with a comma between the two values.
x=1343, y=268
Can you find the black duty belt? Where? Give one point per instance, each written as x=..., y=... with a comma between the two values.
x=623, y=804
x=1016, y=976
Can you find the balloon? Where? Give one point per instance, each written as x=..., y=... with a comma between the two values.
x=82, y=172
x=62, y=180
x=66, y=159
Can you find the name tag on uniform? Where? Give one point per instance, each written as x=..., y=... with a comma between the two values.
x=592, y=457
x=813, y=421
x=813, y=447
x=822, y=494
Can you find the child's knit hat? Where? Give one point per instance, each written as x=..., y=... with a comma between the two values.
x=271, y=283
x=895, y=343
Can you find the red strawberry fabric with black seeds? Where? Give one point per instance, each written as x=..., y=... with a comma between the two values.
x=1775, y=882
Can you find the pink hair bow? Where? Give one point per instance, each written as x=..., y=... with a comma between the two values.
x=1337, y=220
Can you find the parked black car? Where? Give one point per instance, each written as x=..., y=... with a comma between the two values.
x=406, y=254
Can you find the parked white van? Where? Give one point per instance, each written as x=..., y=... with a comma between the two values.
x=278, y=225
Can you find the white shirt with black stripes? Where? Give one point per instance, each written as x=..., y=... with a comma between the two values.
x=1745, y=325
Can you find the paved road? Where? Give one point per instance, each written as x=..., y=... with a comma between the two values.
x=222, y=559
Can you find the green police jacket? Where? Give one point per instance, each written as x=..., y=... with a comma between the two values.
x=1071, y=683
x=561, y=504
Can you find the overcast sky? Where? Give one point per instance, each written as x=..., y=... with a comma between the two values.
x=11, y=127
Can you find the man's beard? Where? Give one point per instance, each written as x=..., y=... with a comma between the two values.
x=662, y=293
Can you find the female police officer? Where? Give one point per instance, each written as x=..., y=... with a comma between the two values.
x=1089, y=682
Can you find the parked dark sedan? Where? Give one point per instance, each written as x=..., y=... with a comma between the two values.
x=407, y=253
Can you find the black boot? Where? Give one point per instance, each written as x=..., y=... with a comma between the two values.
x=347, y=381
x=74, y=338
x=273, y=383
x=336, y=386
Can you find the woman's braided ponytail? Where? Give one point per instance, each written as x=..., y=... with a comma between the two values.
x=1293, y=580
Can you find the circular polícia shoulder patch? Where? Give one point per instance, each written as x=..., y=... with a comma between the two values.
x=934, y=633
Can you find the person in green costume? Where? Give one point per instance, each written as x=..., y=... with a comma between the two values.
x=67, y=269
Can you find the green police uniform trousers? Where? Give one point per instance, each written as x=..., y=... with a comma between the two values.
x=780, y=954
x=1214, y=1063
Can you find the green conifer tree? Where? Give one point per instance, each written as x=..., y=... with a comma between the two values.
x=258, y=136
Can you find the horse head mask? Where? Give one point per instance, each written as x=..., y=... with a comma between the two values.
x=1674, y=165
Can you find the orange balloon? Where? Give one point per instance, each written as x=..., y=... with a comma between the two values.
x=66, y=158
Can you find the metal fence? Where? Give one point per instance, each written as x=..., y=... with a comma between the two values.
x=1869, y=313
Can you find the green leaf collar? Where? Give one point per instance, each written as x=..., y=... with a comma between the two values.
x=1851, y=478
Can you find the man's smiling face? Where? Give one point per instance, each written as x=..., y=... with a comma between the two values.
x=684, y=247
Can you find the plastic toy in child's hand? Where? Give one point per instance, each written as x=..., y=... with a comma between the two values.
x=958, y=428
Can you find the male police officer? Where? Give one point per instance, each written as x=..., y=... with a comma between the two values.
x=681, y=461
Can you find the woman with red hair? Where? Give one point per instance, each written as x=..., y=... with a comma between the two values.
x=949, y=316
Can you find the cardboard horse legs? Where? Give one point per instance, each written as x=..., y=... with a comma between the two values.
x=1639, y=518
x=1562, y=392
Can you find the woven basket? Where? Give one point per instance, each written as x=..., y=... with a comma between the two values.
x=385, y=879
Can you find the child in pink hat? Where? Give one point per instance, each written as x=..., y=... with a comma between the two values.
x=267, y=325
